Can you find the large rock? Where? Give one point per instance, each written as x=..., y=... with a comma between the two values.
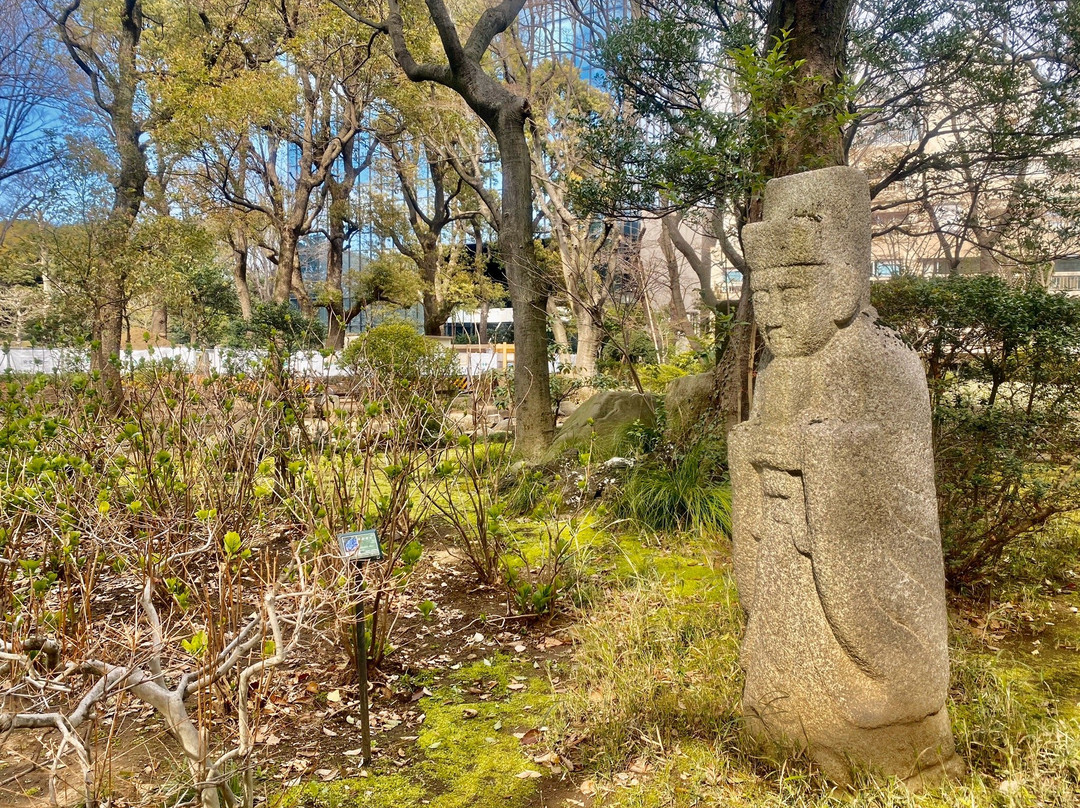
x=687, y=403
x=602, y=421
x=836, y=539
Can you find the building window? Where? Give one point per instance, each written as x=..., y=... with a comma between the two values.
x=888, y=268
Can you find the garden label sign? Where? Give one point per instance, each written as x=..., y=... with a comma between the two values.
x=360, y=547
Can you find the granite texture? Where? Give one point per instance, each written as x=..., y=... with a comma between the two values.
x=602, y=422
x=687, y=402
x=836, y=538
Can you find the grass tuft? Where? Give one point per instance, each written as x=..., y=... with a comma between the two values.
x=680, y=492
x=655, y=666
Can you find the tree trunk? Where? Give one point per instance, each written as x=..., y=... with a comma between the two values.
x=129, y=188
x=818, y=34
x=734, y=369
x=434, y=311
x=558, y=330
x=299, y=289
x=505, y=113
x=433, y=319
x=283, y=275
x=679, y=319
x=240, y=271
x=335, y=259
x=113, y=294
x=482, y=326
x=108, y=330
x=159, y=323
x=588, y=343
x=534, y=424
x=287, y=279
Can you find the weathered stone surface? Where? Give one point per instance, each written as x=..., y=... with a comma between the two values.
x=686, y=401
x=603, y=420
x=836, y=539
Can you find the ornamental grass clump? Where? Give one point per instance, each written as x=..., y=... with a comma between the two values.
x=671, y=491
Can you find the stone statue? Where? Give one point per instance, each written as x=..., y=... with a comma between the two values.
x=836, y=540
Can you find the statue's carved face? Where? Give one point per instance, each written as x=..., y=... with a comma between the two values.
x=810, y=258
x=793, y=308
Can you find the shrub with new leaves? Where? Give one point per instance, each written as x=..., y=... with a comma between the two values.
x=394, y=357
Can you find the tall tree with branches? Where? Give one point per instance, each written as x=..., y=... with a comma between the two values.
x=505, y=113
x=30, y=87
x=104, y=44
x=936, y=98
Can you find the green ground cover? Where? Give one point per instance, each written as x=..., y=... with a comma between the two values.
x=650, y=715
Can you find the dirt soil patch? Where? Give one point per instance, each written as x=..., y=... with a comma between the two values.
x=310, y=730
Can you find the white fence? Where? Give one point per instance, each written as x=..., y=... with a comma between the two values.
x=473, y=360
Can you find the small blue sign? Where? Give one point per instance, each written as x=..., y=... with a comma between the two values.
x=360, y=545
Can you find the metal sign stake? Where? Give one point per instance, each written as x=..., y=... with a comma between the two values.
x=360, y=547
x=361, y=667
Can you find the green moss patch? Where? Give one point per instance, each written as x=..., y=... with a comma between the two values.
x=466, y=754
x=655, y=686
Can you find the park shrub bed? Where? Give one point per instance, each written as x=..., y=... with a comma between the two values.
x=185, y=544
x=193, y=533
x=1003, y=367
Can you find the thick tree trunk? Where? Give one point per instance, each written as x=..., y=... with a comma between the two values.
x=108, y=332
x=435, y=310
x=283, y=275
x=735, y=368
x=433, y=319
x=129, y=189
x=299, y=289
x=159, y=323
x=287, y=279
x=534, y=421
x=108, y=339
x=335, y=306
x=335, y=332
x=818, y=34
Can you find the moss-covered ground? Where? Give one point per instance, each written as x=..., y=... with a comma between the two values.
x=643, y=712
x=467, y=752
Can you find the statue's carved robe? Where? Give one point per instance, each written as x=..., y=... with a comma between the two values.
x=838, y=559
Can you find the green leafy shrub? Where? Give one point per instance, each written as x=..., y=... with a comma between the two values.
x=656, y=378
x=1003, y=367
x=393, y=364
x=276, y=326
x=535, y=565
x=398, y=356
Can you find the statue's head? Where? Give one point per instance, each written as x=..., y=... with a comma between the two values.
x=809, y=258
